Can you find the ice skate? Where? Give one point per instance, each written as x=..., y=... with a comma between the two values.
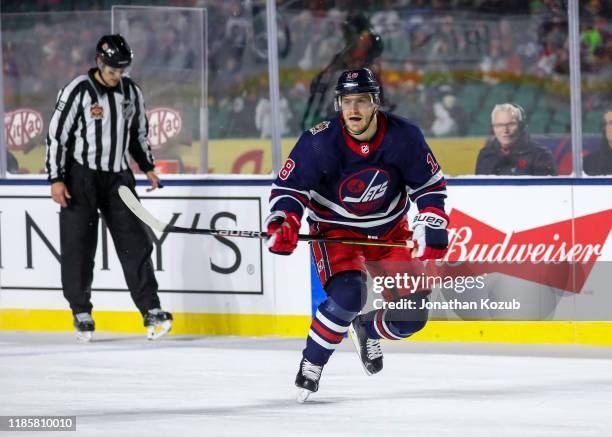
x=158, y=323
x=84, y=326
x=368, y=349
x=307, y=379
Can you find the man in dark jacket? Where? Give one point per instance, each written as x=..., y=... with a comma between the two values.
x=599, y=162
x=511, y=152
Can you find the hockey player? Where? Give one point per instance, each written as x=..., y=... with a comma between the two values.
x=99, y=121
x=357, y=174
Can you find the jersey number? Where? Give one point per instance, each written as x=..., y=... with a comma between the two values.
x=432, y=163
x=287, y=169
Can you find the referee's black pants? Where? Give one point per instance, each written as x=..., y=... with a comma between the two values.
x=94, y=191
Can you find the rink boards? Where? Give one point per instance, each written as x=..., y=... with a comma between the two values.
x=235, y=287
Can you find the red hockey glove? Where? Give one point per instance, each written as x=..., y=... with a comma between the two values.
x=430, y=234
x=283, y=230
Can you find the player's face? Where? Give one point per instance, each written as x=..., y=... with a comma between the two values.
x=357, y=111
x=505, y=128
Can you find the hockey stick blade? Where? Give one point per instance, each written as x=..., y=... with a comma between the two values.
x=146, y=217
x=140, y=211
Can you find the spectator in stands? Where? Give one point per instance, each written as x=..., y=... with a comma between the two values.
x=596, y=47
x=263, y=116
x=450, y=118
x=511, y=152
x=599, y=162
x=325, y=42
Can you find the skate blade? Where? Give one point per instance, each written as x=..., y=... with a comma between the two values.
x=157, y=331
x=83, y=336
x=302, y=395
x=353, y=336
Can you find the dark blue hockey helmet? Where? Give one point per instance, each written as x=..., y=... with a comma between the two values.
x=357, y=81
x=114, y=51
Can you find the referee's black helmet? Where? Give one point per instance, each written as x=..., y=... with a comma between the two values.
x=114, y=51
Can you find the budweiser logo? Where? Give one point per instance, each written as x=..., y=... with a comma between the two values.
x=560, y=254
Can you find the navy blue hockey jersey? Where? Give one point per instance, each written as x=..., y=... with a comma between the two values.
x=366, y=187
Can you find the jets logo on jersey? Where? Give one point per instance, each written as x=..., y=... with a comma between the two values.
x=363, y=192
x=319, y=127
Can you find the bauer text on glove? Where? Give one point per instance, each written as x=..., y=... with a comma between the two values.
x=430, y=234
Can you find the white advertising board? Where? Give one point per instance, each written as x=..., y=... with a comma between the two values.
x=183, y=263
x=195, y=273
x=206, y=274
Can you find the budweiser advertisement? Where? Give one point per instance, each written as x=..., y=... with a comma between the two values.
x=515, y=253
x=554, y=254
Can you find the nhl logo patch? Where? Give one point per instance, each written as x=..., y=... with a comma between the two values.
x=319, y=127
x=365, y=148
x=128, y=108
x=96, y=111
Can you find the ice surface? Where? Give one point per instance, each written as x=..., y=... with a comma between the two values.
x=122, y=385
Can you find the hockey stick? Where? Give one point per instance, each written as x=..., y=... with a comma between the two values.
x=141, y=212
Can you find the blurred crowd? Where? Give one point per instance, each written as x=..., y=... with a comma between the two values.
x=431, y=49
x=440, y=61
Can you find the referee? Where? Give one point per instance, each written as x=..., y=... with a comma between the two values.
x=99, y=121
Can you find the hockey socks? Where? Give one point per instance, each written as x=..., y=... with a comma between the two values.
x=334, y=315
x=396, y=324
x=328, y=328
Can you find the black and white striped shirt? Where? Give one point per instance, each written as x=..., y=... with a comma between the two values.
x=98, y=127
